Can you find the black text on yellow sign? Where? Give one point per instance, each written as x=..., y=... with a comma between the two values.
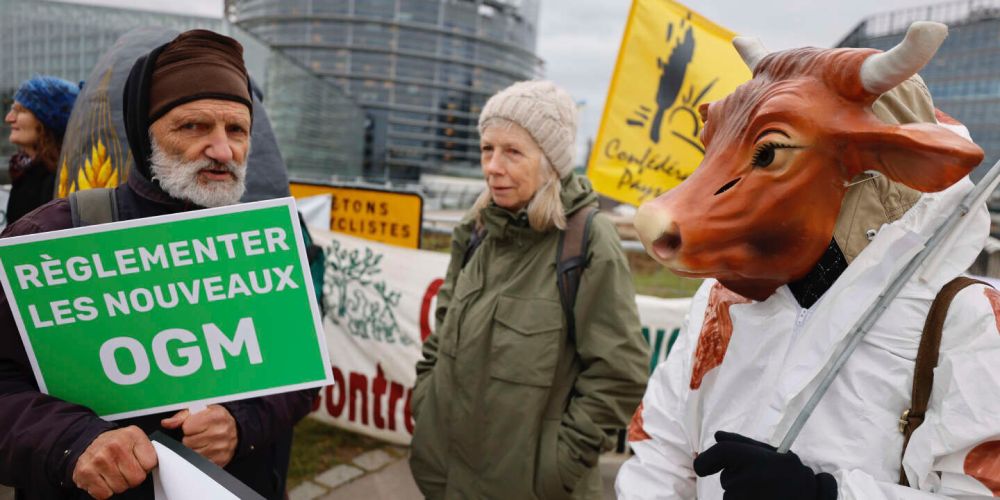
x=671, y=61
x=385, y=216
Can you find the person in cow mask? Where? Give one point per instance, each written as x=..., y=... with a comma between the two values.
x=188, y=119
x=821, y=176
x=509, y=401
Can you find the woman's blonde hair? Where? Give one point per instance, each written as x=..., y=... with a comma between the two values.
x=545, y=209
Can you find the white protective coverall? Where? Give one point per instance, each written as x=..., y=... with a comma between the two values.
x=773, y=362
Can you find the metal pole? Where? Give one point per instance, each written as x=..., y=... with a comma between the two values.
x=978, y=195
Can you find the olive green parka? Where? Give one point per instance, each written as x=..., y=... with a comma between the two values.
x=506, y=405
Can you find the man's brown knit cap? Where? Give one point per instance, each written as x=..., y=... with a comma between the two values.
x=198, y=64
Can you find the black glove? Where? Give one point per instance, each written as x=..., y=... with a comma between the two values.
x=752, y=470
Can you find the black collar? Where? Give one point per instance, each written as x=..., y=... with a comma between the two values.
x=812, y=286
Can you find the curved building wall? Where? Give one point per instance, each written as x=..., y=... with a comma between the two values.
x=421, y=69
x=320, y=129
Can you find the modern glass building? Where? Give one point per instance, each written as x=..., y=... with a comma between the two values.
x=964, y=76
x=421, y=69
x=65, y=40
x=320, y=129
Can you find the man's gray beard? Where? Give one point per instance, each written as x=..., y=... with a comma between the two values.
x=179, y=179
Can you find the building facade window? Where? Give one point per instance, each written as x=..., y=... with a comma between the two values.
x=421, y=69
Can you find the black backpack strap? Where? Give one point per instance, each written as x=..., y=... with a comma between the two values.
x=93, y=206
x=571, y=260
x=927, y=360
x=478, y=235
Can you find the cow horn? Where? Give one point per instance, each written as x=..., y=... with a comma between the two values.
x=881, y=72
x=750, y=49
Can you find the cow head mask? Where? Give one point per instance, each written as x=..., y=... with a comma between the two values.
x=760, y=210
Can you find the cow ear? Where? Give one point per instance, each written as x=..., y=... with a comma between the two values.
x=923, y=156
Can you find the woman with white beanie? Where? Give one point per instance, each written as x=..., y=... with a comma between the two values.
x=520, y=389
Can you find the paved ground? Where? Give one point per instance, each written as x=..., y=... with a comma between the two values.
x=394, y=481
x=385, y=474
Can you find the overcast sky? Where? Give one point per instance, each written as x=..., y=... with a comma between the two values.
x=579, y=39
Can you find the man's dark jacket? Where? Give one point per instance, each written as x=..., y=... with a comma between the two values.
x=41, y=437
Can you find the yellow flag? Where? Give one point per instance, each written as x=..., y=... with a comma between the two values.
x=671, y=61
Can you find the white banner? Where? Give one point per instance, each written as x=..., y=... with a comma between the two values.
x=378, y=307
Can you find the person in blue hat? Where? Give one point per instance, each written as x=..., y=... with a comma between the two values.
x=38, y=121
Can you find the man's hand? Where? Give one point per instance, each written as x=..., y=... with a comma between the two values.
x=753, y=470
x=114, y=462
x=210, y=432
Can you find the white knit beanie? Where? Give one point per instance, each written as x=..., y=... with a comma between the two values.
x=546, y=111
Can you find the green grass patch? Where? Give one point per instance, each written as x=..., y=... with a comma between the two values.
x=650, y=278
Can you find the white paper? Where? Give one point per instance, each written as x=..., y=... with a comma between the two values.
x=176, y=479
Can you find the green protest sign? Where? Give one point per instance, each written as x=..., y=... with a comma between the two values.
x=151, y=315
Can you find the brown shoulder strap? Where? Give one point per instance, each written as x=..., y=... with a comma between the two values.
x=575, y=234
x=571, y=260
x=927, y=360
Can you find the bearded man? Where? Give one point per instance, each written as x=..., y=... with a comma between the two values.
x=188, y=115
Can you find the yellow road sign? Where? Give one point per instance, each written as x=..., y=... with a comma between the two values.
x=671, y=61
x=391, y=217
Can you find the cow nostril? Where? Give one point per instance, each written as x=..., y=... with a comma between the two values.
x=667, y=246
x=728, y=185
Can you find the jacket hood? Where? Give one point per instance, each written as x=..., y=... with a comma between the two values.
x=577, y=192
x=872, y=199
x=135, y=111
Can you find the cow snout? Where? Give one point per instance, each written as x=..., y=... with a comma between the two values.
x=658, y=232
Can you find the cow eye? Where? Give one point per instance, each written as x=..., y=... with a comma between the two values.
x=764, y=155
x=767, y=154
